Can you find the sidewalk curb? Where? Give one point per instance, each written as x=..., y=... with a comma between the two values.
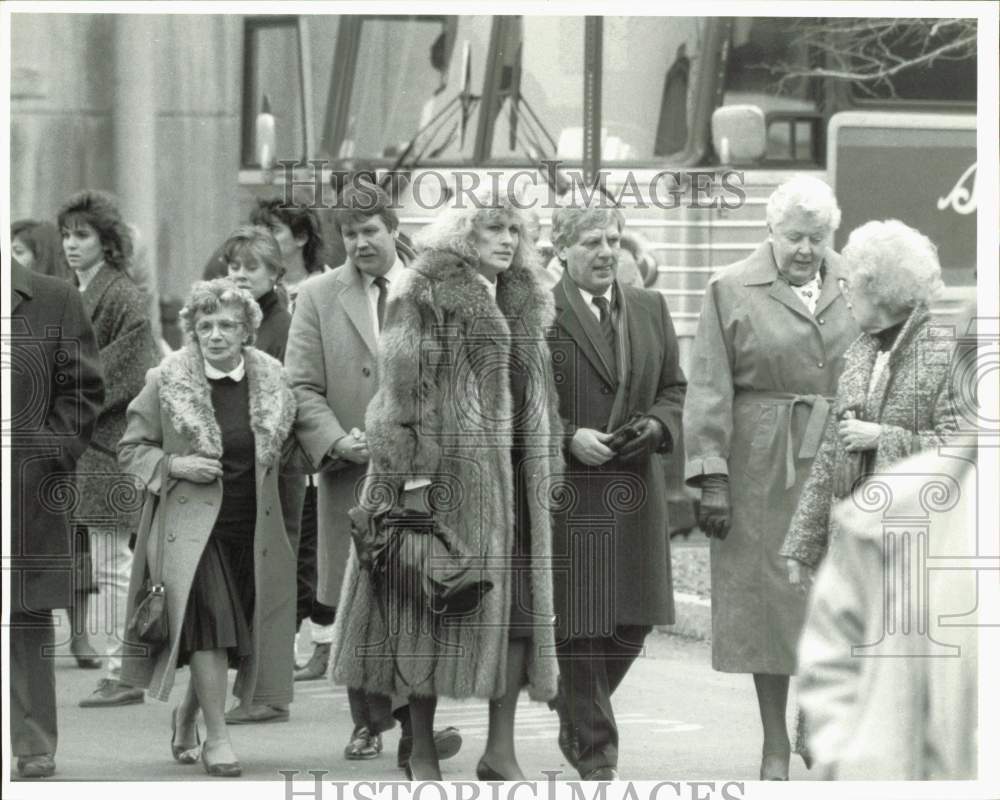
x=693, y=615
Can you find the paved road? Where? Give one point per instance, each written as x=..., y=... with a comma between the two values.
x=678, y=719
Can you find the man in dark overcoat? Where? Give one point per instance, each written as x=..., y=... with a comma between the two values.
x=616, y=364
x=56, y=394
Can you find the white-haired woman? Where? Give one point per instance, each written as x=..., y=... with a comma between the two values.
x=764, y=366
x=206, y=434
x=893, y=398
x=466, y=400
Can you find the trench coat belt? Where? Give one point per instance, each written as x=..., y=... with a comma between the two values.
x=820, y=405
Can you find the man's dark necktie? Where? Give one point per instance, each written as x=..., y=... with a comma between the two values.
x=383, y=291
x=608, y=327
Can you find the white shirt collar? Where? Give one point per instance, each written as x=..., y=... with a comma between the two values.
x=236, y=373
x=391, y=276
x=588, y=298
x=85, y=276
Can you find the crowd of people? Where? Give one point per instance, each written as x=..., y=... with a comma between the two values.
x=522, y=400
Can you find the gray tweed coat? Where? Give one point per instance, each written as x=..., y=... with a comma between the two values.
x=117, y=311
x=912, y=402
x=443, y=411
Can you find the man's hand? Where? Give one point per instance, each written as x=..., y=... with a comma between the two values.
x=651, y=434
x=196, y=469
x=352, y=447
x=799, y=575
x=588, y=446
x=714, y=512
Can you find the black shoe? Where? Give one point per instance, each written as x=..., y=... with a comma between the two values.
x=85, y=654
x=568, y=743
x=364, y=745
x=602, y=774
x=484, y=772
x=447, y=741
x=40, y=766
x=229, y=769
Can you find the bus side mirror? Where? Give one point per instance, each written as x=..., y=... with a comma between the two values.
x=739, y=134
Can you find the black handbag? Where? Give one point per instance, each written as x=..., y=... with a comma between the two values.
x=149, y=623
x=409, y=553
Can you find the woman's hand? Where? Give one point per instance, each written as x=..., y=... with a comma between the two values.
x=799, y=575
x=588, y=446
x=196, y=469
x=353, y=447
x=857, y=435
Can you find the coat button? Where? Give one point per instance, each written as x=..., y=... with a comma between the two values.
x=821, y=321
x=264, y=552
x=820, y=365
x=182, y=499
x=366, y=372
x=605, y=390
x=171, y=537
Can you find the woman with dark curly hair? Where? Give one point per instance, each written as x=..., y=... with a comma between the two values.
x=98, y=245
x=38, y=246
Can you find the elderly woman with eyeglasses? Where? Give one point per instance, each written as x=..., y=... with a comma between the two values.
x=206, y=435
x=893, y=398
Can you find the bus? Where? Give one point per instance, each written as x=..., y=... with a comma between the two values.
x=688, y=123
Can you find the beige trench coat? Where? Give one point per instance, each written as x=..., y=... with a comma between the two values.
x=173, y=415
x=761, y=366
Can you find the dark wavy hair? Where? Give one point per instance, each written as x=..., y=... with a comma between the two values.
x=45, y=243
x=100, y=211
x=301, y=220
x=363, y=200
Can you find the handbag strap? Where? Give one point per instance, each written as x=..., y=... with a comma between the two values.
x=156, y=576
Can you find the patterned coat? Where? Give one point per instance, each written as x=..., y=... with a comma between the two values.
x=117, y=311
x=443, y=411
x=761, y=369
x=54, y=401
x=911, y=401
x=173, y=416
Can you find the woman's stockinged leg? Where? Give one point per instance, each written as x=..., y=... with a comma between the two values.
x=772, y=698
x=187, y=714
x=423, y=763
x=500, y=755
x=209, y=678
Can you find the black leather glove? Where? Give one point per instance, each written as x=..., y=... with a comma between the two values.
x=713, y=516
x=648, y=439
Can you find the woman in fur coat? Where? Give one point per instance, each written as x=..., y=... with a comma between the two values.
x=893, y=397
x=467, y=404
x=206, y=437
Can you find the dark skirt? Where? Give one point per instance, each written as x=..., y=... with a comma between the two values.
x=83, y=563
x=220, y=607
x=522, y=621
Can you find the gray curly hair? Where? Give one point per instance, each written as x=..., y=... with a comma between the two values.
x=453, y=228
x=207, y=296
x=894, y=265
x=809, y=193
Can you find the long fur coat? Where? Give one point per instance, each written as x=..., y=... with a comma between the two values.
x=443, y=411
x=911, y=400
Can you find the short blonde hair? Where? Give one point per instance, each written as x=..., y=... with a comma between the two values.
x=894, y=265
x=813, y=196
x=207, y=296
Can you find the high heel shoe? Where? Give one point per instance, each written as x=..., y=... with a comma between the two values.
x=85, y=655
x=408, y=769
x=774, y=766
x=484, y=772
x=231, y=769
x=183, y=754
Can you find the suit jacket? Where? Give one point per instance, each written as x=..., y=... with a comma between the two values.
x=611, y=548
x=331, y=363
x=55, y=399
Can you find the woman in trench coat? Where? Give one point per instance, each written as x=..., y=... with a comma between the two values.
x=764, y=366
x=467, y=401
x=215, y=417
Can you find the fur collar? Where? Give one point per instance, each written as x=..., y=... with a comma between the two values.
x=860, y=360
x=187, y=400
x=448, y=282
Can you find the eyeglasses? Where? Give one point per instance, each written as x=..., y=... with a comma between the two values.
x=226, y=327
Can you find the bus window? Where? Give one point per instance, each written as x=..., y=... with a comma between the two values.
x=272, y=68
x=648, y=85
x=551, y=88
x=408, y=70
x=790, y=108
